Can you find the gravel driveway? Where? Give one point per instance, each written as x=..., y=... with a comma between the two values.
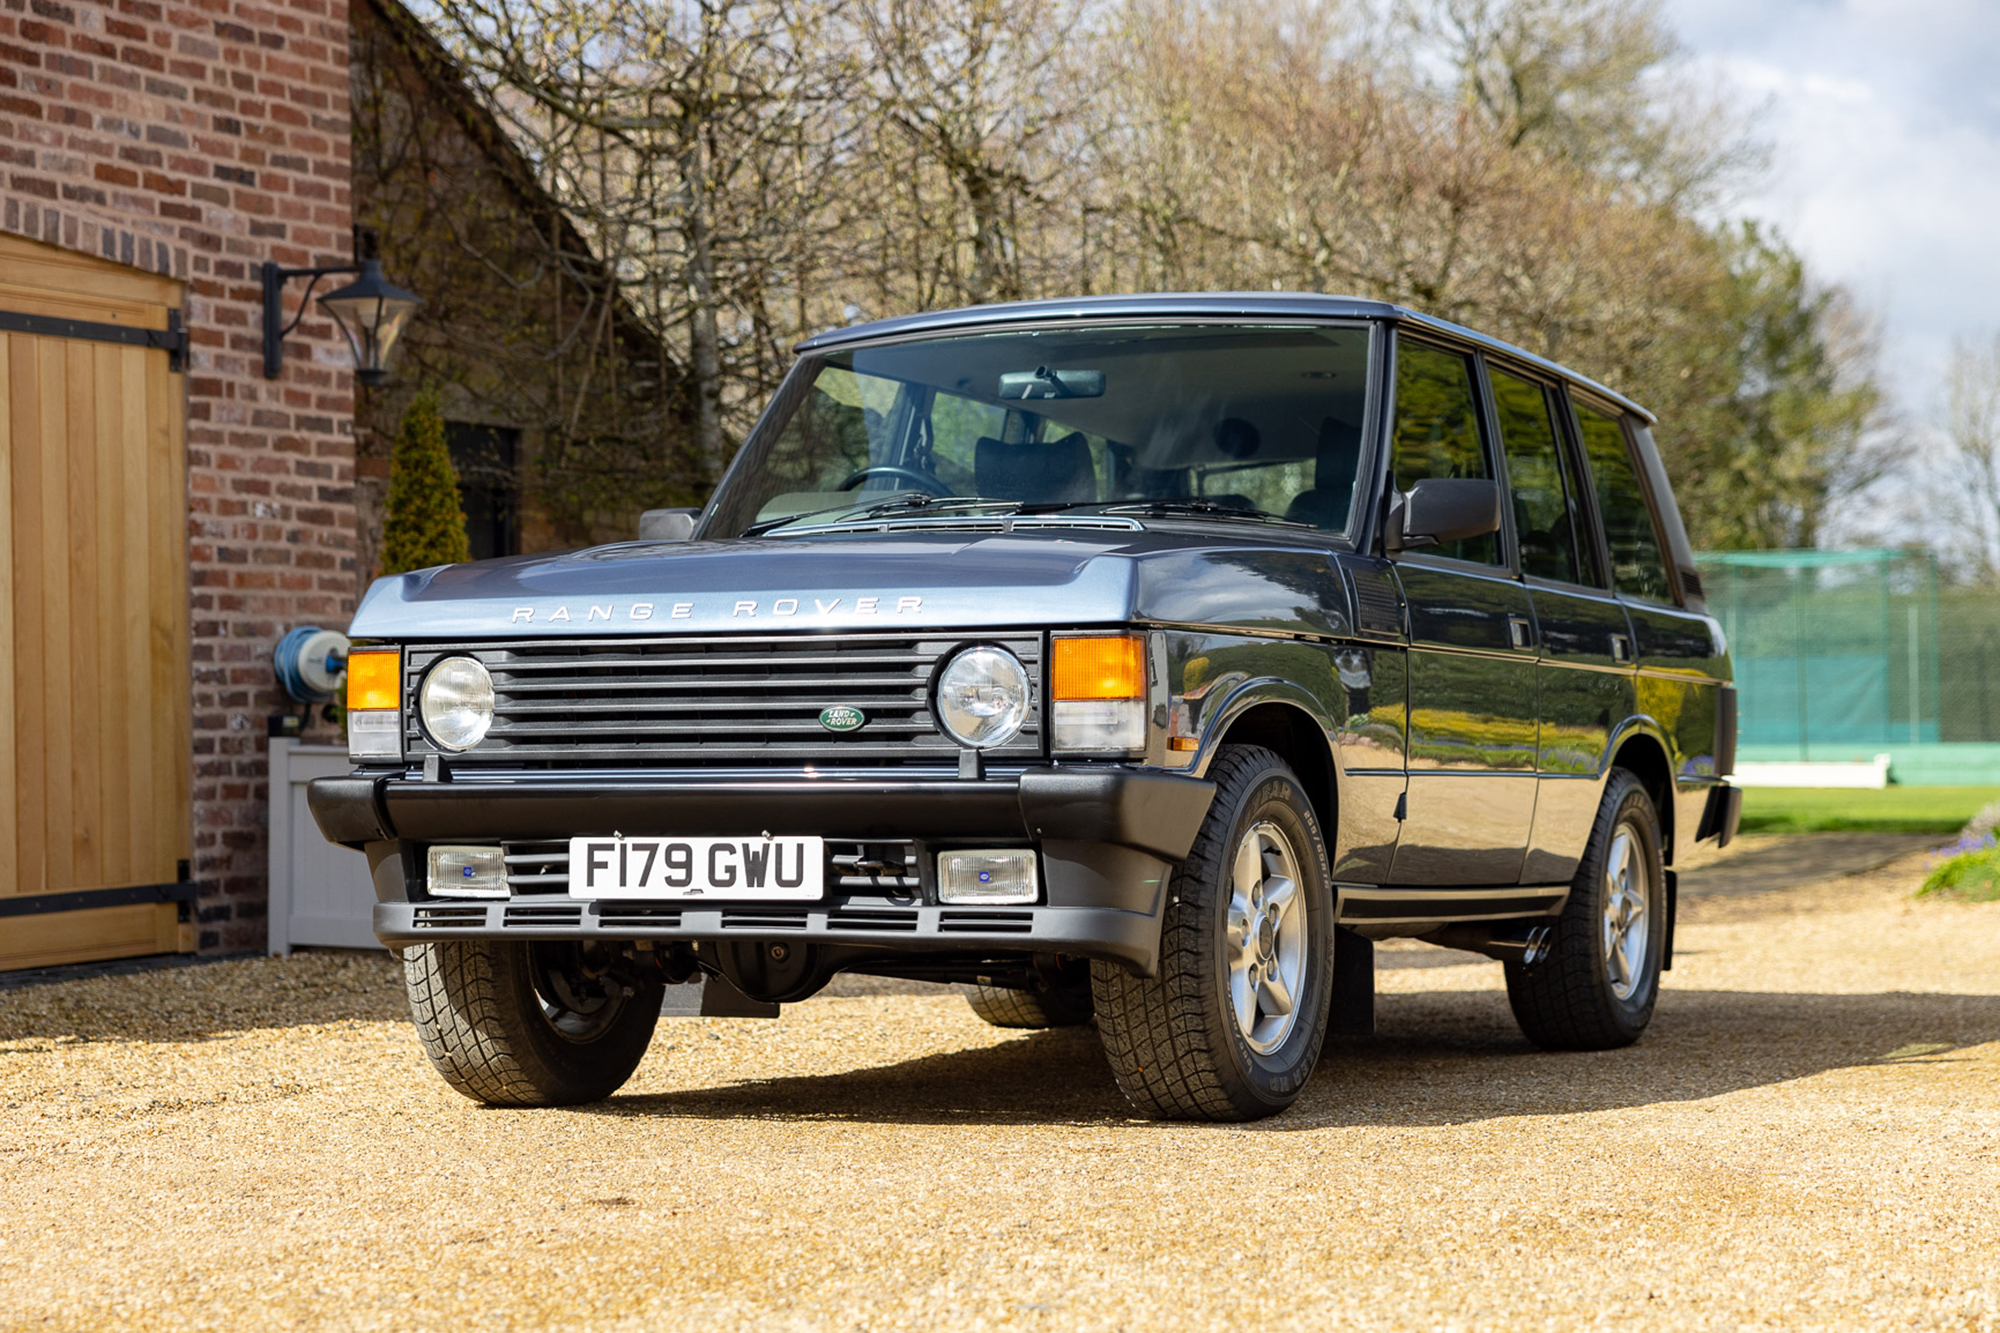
x=1809, y=1137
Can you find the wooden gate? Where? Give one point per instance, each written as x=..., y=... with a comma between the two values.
x=94, y=688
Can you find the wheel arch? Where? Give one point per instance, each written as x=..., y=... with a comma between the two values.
x=1297, y=737
x=1643, y=753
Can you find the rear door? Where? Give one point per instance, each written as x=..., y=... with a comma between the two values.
x=1675, y=653
x=1472, y=729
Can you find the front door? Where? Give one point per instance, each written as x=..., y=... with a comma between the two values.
x=1472, y=728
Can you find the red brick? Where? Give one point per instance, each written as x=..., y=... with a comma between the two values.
x=131, y=105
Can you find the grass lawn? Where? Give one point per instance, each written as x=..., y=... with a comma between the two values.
x=1837, y=810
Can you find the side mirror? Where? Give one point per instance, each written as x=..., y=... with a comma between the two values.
x=667, y=525
x=1443, y=509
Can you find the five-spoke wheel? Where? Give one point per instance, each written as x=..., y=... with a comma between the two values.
x=1267, y=937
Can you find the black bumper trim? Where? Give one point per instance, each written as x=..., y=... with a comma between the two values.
x=1129, y=937
x=1158, y=813
x=1721, y=816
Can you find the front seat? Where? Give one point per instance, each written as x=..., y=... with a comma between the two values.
x=1337, y=460
x=1055, y=472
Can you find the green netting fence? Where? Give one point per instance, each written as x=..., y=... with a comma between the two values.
x=1848, y=654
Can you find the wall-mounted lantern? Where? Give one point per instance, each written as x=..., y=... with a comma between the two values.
x=371, y=311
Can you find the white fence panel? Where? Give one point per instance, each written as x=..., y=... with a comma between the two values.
x=320, y=892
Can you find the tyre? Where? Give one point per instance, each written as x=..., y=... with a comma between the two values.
x=530, y=1024
x=1230, y=1027
x=1058, y=1002
x=1596, y=986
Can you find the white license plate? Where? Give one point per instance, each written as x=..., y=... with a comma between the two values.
x=755, y=869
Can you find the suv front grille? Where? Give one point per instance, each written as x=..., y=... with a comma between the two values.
x=696, y=700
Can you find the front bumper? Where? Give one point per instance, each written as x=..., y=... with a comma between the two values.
x=1107, y=835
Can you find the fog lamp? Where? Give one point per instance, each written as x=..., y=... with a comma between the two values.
x=468, y=872
x=1006, y=876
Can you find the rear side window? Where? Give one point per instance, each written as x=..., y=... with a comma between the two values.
x=1437, y=433
x=1545, y=504
x=1629, y=531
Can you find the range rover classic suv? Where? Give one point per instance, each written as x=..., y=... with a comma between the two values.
x=1137, y=661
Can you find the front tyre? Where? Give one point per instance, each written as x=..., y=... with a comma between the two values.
x=531, y=1024
x=1230, y=1028
x=1596, y=987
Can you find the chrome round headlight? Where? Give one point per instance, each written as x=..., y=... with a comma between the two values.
x=457, y=703
x=982, y=697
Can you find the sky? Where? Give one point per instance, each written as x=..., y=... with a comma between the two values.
x=1883, y=121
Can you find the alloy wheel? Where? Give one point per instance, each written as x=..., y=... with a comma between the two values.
x=1626, y=923
x=1266, y=939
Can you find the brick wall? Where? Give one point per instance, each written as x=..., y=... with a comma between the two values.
x=198, y=140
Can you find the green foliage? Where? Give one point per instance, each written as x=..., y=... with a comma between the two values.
x=1801, y=412
x=1972, y=874
x=1836, y=810
x=425, y=524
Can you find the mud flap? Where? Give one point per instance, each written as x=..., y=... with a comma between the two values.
x=1353, y=985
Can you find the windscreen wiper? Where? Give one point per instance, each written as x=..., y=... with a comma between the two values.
x=1201, y=506
x=907, y=500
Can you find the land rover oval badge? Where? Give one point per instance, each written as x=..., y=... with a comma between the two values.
x=840, y=717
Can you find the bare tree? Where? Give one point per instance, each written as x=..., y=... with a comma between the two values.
x=750, y=170
x=1971, y=446
x=687, y=140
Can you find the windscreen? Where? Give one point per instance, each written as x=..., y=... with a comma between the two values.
x=1227, y=422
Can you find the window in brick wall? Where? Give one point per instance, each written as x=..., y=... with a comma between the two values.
x=485, y=458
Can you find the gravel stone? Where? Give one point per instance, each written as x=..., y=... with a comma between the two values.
x=1808, y=1137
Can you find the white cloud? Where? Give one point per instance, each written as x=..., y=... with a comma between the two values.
x=1884, y=121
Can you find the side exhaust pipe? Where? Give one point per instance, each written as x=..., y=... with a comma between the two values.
x=1526, y=945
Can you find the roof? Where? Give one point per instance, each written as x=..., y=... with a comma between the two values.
x=1207, y=305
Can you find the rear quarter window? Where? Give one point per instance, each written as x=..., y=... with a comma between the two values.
x=1630, y=533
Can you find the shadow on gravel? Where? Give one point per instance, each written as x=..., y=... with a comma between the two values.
x=196, y=1003
x=1439, y=1059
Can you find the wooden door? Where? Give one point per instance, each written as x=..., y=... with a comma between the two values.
x=95, y=828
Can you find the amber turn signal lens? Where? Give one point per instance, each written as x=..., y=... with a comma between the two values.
x=374, y=679
x=1099, y=667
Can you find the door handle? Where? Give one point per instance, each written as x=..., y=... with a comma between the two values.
x=1521, y=632
x=1621, y=648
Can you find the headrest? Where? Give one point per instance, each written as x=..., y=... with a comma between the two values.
x=1339, y=454
x=1237, y=438
x=1056, y=472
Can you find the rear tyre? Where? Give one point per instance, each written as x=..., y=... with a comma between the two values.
x=1596, y=987
x=1230, y=1028
x=1052, y=1002
x=530, y=1024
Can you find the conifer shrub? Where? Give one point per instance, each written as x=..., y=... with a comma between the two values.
x=425, y=522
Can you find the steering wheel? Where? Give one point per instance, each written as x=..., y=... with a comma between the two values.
x=926, y=483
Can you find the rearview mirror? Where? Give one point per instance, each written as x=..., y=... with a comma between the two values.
x=1041, y=382
x=1443, y=509
x=667, y=525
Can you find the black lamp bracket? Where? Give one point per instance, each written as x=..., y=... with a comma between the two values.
x=275, y=329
